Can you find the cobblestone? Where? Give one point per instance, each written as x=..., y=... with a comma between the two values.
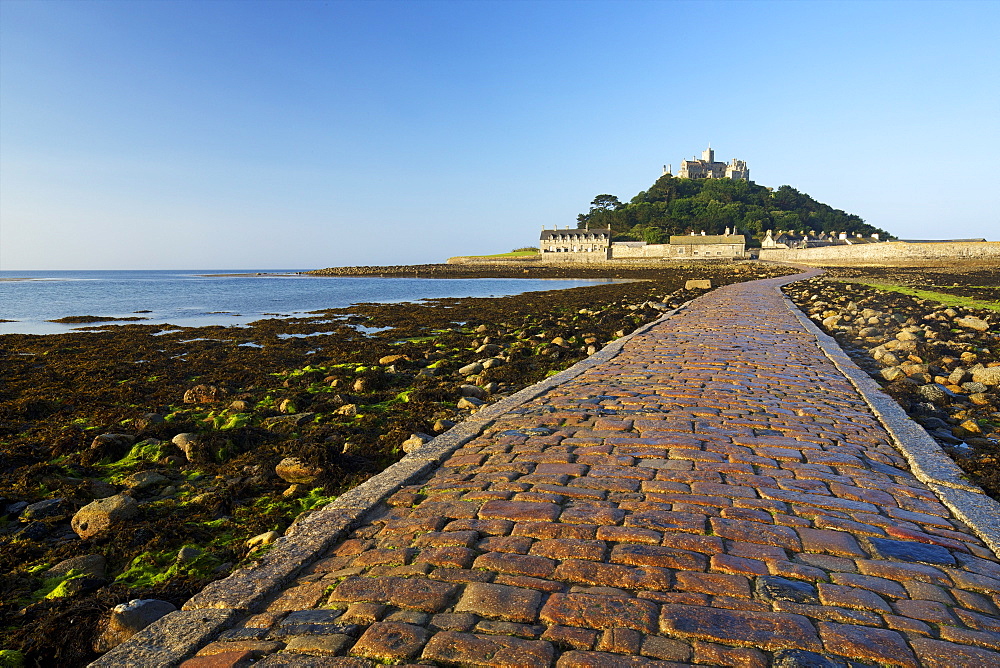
x=717, y=493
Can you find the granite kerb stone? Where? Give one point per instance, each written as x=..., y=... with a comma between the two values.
x=247, y=588
x=169, y=640
x=928, y=462
x=976, y=509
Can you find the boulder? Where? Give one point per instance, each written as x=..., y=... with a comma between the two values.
x=972, y=322
x=392, y=359
x=128, y=619
x=99, y=489
x=472, y=391
x=15, y=509
x=110, y=446
x=987, y=375
x=263, y=539
x=91, y=565
x=100, y=515
x=204, y=394
x=349, y=410
x=294, y=470
x=470, y=369
x=980, y=399
x=294, y=420
x=892, y=373
x=443, y=425
x=935, y=393
x=698, y=284
x=470, y=403
x=296, y=489
x=915, y=369
x=191, y=446
x=145, y=479
x=968, y=428
x=888, y=359
x=188, y=554
x=149, y=420
x=49, y=510
x=415, y=441
x=959, y=376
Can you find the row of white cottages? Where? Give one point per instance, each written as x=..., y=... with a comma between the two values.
x=591, y=243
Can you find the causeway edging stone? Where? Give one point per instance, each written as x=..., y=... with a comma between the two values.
x=172, y=638
x=929, y=463
x=167, y=640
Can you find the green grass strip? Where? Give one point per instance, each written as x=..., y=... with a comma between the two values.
x=511, y=254
x=940, y=297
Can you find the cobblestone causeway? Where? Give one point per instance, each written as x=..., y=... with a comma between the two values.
x=717, y=494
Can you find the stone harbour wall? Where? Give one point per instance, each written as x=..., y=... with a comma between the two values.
x=888, y=252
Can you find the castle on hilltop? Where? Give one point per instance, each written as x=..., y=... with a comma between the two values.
x=708, y=168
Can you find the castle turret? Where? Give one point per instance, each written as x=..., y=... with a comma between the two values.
x=708, y=155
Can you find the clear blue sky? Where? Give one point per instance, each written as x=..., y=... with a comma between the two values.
x=311, y=134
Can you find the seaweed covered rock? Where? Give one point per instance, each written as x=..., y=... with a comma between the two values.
x=191, y=446
x=128, y=619
x=48, y=510
x=108, y=447
x=98, y=516
x=204, y=394
x=294, y=470
x=90, y=565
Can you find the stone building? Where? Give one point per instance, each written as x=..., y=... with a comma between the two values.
x=574, y=241
x=708, y=168
x=708, y=246
x=811, y=239
x=591, y=245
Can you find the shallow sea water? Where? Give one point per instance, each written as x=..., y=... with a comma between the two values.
x=220, y=297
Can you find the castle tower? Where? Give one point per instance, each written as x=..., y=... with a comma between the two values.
x=708, y=155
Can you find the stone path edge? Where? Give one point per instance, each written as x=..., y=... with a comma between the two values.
x=929, y=463
x=174, y=637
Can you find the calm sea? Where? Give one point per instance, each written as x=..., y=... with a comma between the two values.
x=218, y=297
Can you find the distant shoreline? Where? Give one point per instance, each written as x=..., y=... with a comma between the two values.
x=254, y=274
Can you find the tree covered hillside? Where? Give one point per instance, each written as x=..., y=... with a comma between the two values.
x=678, y=206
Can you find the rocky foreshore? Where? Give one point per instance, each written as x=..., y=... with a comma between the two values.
x=140, y=462
x=533, y=268
x=940, y=362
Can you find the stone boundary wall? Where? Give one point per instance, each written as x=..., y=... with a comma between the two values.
x=657, y=251
x=562, y=259
x=890, y=251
